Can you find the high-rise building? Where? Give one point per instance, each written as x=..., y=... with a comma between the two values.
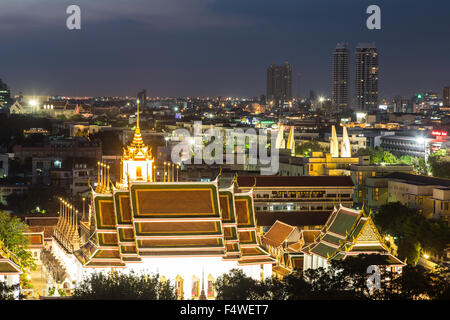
x=341, y=75
x=366, y=78
x=446, y=97
x=402, y=105
x=5, y=95
x=279, y=84
x=142, y=96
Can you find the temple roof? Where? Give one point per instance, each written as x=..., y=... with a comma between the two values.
x=349, y=232
x=280, y=232
x=137, y=150
x=36, y=239
x=8, y=262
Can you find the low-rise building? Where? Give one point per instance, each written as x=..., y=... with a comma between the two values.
x=303, y=201
x=326, y=165
x=426, y=194
x=9, y=189
x=369, y=192
x=80, y=178
x=406, y=145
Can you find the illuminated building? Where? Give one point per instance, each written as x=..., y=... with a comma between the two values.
x=334, y=163
x=10, y=269
x=406, y=145
x=341, y=75
x=188, y=232
x=5, y=95
x=446, y=97
x=303, y=201
x=279, y=84
x=366, y=77
x=368, y=187
x=429, y=195
x=348, y=233
x=284, y=242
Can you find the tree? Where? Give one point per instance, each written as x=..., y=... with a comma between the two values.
x=306, y=148
x=11, y=235
x=440, y=283
x=119, y=286
x=389, y=158
x=235, y=285
x=406, y=159
x=414, y=231
x=7, y=292
x=439, y=168
x=377, y=155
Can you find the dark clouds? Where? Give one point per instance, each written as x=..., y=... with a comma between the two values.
x=207, y=47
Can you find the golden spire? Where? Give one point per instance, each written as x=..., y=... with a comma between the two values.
x=137, y=160
x=137, y=150
x=137, y=139
x=137, y=116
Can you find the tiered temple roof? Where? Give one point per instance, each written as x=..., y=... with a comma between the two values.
x=172, y=219
x=138, y=218
x=36, y=239
x=283, y=242
x=250, y=250
x=350, y=232
x=9, y=263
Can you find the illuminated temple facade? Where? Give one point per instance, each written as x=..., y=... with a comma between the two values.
x=187, y=232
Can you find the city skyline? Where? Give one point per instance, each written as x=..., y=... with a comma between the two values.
x=213, y=48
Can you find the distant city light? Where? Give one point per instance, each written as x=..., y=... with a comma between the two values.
x=439, y=133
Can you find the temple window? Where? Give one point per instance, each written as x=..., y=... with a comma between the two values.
x=195, y=287
x=211, y=288
x=138, y=172
x=179, y=287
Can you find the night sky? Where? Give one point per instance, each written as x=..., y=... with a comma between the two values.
x=215, y=47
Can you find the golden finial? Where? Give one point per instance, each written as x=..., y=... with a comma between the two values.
x=137, y=116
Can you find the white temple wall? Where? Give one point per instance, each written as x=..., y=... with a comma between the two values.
x=73, y=267
x=170, y=268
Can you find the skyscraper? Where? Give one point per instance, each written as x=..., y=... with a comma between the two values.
x=366, y=79
x=5, y=95
x=279, y=84
x=446, y=97
x=341, y=75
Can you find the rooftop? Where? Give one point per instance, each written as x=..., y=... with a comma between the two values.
x=301, y=181
x=418, y=180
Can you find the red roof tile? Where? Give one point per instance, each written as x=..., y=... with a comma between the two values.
x=278, y=233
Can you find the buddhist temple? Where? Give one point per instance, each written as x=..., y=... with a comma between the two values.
x=346, y=233
x=283, y=242
x=10, y=269
x=188, y=232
